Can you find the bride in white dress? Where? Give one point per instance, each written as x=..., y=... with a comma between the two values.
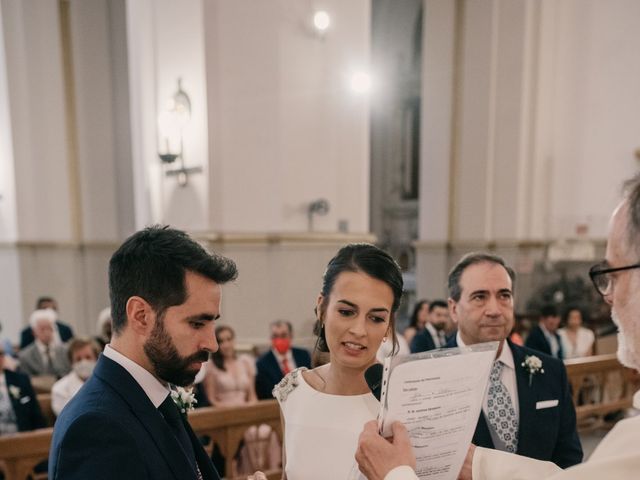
x=324, y=409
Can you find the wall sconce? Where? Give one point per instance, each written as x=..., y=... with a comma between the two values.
x=317, y=207
x=171, y=123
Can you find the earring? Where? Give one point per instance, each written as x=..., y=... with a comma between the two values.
x=384, y=339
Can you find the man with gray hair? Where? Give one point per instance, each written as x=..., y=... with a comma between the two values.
x=617, y=279
x=522, y=405
x=44, y=356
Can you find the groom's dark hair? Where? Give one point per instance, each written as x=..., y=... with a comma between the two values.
x=152, y=264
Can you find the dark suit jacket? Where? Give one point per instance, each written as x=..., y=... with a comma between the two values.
x=545, y=434
x=268, y=372
x=26, y=407
x=111, y=429
x=422, y=342
x=26, y=335
x=538, y=341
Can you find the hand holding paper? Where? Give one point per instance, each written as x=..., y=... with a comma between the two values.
x=376, y=456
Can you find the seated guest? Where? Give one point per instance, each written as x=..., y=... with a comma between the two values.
x=527, y=408
x=433, y=335
x=229, y=381
x=544, y=337
x=577, y=341
x=417, y=321
x=83, y=355
x=104, y=328
x=43, y=357
x=280, y=360
x=229, y=378
x=62, y=333
x=19, y=407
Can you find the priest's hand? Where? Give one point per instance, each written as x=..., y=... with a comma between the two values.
x=377, y=456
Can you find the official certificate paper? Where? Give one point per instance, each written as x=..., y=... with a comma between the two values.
x=438, y=396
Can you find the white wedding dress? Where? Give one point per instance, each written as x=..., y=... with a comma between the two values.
x=321, y=430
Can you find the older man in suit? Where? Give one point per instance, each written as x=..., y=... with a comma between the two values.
x=165, y=294
x=44, y=356
x=273, y=365
x=617, y=279
x=62, y=333
x=539, y=410
x=19, y=407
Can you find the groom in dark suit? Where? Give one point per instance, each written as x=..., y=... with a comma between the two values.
x=527, y=407
x=165, y=297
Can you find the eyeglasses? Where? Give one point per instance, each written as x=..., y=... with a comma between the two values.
x=602, y=278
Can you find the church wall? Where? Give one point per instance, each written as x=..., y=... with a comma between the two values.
x=544, y=97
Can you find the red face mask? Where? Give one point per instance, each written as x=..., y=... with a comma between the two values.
x=281, y=345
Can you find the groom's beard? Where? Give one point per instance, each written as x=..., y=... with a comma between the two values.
x=167, y=363
x=628, y=339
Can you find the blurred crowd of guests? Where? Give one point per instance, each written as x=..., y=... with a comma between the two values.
x=49, y=358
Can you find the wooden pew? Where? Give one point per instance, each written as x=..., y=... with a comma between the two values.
x=226, y=426
x=44, y=399
x=21, y=452
x=601, y=386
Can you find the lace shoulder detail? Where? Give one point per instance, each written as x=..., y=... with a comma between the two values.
x=288, y=384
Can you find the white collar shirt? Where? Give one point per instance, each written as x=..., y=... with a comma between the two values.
x=154, y=388
x=507, y=376
x=438, y=337
x=552, y=339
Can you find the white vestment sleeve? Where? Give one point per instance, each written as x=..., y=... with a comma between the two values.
x=403, y=472
x=496, y=465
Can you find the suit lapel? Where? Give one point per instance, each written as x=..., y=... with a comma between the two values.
x=526, y=399
x=150, y=418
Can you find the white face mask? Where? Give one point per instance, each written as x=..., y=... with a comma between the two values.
x=84, y=368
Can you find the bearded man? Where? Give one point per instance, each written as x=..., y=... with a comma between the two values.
x=165, y=294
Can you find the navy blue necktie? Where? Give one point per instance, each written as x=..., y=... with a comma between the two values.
x=172, y=416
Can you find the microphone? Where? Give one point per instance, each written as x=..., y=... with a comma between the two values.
x=373, y=376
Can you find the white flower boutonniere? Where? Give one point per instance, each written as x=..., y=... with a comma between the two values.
x=15, y=391
x=533, y=365
x=184, y=399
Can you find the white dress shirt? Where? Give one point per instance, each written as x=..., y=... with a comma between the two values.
x=439, y=339
x=552, y=339
x=64, y=390
x=155, y=390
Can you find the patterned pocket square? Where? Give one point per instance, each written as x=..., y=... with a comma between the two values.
x=546, y=404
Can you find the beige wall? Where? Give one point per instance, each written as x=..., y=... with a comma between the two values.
x=542, y=96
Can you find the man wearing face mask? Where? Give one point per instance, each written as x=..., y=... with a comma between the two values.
x=83, y=354
x=281, y=359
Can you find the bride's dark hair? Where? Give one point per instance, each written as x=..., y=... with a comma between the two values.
x=368, y=259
